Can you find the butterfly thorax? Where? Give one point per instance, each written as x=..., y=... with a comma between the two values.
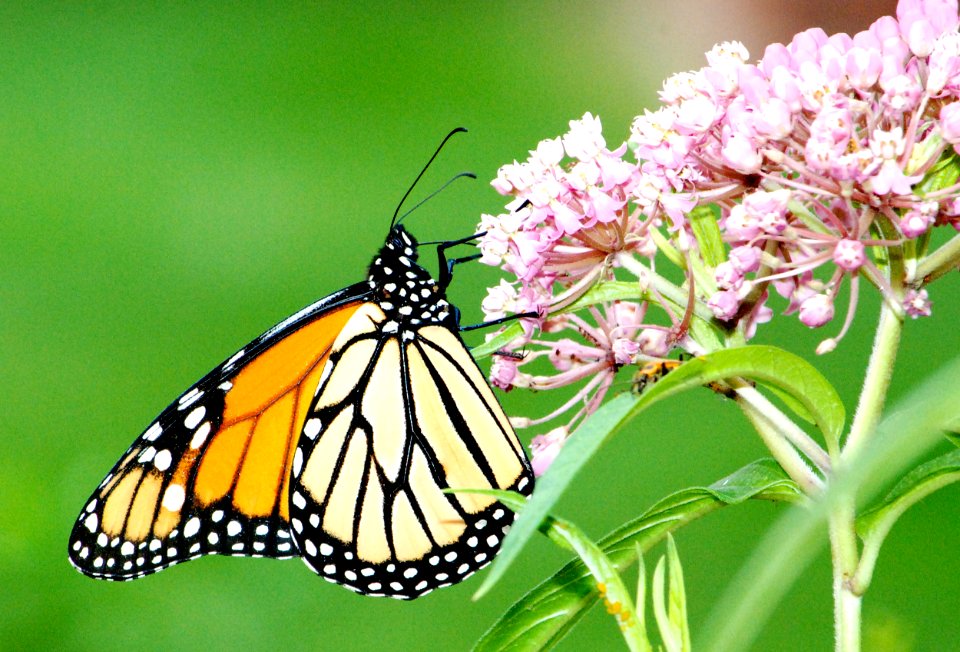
x=406, y=292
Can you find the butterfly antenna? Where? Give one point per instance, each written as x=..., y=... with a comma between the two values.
x=469, y=175
x=422, y=172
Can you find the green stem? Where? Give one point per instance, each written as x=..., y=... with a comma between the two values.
x=877, y=379
x=843, y=537
x=942, y=261
x=781, y=435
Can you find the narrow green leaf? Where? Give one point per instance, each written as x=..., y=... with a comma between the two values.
x=915, y=486
x=795, y=406
x=498, y=341
x=658, y=598
x=706, y=230
x=944, y=173
x=544, y=615
x=608, y=583
x=667, y=249
x=641, y=598
x=786, y=370
x=578, y=449
x=677, y=598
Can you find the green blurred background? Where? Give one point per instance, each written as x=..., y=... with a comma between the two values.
x=177, y=178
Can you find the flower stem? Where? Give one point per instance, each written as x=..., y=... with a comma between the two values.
x=940, y=262
x=843, y=536
x=877, y=379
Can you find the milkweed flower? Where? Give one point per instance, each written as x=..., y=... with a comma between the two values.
x=817, y=160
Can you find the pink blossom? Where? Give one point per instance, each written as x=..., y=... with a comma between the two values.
x=863, y=66
x=653, y=342
x=950, y=123
x=741, y=155
x=724, y=304
x=585, y=140
x=624, y=350
x=545, y=448
x=727, y=276
x=745, y=259
x=816, y=310
x=918, y=221
x=922, y=21
x=741, y=225
x=503, y=371
x=849, y=255
x=917, y=303
x=944, y=65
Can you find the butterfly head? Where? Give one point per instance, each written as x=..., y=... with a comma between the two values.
x=405, y=291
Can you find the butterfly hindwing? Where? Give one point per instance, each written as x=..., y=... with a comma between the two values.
x=210, y=475
x=401, y=414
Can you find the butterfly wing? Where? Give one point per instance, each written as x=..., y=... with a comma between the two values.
x=401, y=415
x=211, y=473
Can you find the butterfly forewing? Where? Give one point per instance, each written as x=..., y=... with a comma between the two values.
x=211, y=474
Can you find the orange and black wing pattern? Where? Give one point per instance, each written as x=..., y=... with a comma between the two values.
x=334, y=436
x=211, y=474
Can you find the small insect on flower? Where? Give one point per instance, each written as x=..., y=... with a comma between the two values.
x=651, y=372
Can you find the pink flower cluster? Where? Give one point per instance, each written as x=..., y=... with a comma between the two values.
x=816, y=156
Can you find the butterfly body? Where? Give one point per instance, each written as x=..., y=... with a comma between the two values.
x=331, y=437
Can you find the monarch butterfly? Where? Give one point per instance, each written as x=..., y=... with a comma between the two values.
x=330, y=437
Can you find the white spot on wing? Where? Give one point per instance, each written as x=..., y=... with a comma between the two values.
x=153, y=432
x=200, y=436
x=162, y=460
x=173, y=497
x=195, y=417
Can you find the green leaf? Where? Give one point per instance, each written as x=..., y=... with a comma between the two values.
x=607, y=582
x=667, y=249
x=544, y=615
x=795, y=406
x=789, y=372
x=578, y=449
x=944, y=173
x=706, y=230
x=498, y=341
x=911, y=428
x=670, y=604
x=915, y=486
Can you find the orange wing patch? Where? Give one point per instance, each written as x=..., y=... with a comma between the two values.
x=211, y=475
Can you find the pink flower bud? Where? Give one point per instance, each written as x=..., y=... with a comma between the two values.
x=724, y=304
x=848, y=255
x=653, y=342
x=727, y=276
x=816, y=311
x=950, y=123
x=503, y=371
x=944, y=64
x=741, y=154
x=624, y=349
x=745, y=259
x=863, y=67
x=915, y=223
x=741, y=225
x=917, y=303
x=545, y=448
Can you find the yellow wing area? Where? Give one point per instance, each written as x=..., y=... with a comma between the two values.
x=404, y=418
